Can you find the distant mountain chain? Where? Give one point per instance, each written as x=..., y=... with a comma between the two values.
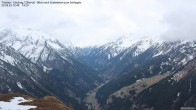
x=125, y=74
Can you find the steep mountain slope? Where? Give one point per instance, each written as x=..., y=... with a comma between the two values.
x=99, y=57
x=148, y=49
x=131, y=57
x=156, y=60
x=173, y=91
x=20, y=75
x=33, y=44
x=180, y=88
x=32, y=59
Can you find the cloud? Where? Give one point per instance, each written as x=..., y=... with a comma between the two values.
x=95, y=21
x=179, y=20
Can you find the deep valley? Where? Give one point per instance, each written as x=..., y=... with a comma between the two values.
x=124, y=74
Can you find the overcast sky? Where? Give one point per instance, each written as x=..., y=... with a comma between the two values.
x=96, y=21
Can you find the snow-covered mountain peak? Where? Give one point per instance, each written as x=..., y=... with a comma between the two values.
x=113, y=48
x=19, y=33
x=151, y=40
x=145, y=43
x=127, y=41
x=30, y=42
x=124, y=41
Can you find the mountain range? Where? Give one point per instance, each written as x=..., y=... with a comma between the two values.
x=124, y=74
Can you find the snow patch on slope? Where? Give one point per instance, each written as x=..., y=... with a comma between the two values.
x=14, y=104
x=146, y=43
x=19, y=85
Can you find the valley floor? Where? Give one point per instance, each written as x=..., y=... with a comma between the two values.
x=91, y=100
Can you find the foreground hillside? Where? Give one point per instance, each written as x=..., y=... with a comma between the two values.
x=45, y=103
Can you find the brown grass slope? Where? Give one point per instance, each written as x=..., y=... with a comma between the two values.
x=45, y=103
